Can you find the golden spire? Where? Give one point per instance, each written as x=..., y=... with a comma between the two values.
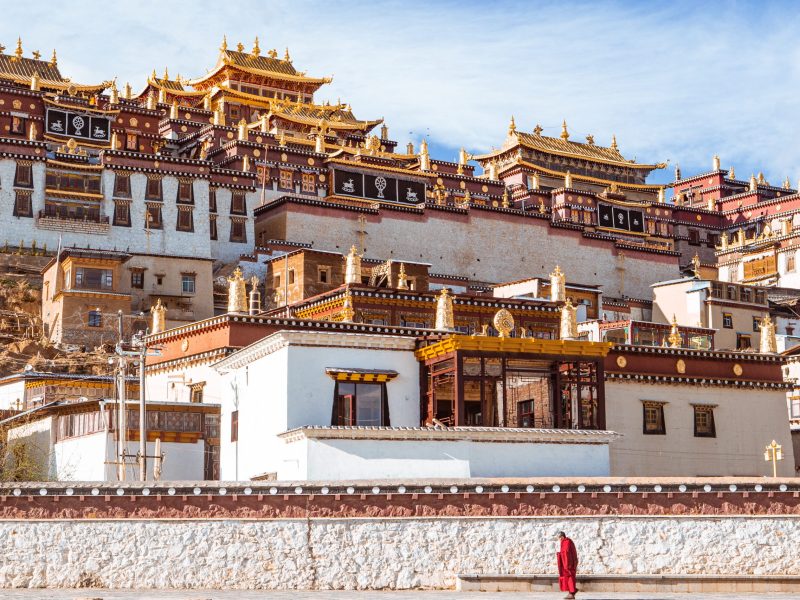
x=787, y=185
x=506, y=203
x=402, y=280
x=347, y=311
x=731, y=174
x=54, y=59
x=166, y=74
x=18, y=51
x=224, y=46
x=256, y=50
x=114, y=96
x=240, y=47
x=674, y=337
x=128, y=91
x=761, y=179
x=564, y=132
x=614, y=143
x=286, y=56
x=512, y=126
x=753, y=185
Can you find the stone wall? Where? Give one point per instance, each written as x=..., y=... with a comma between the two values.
x=389, y=536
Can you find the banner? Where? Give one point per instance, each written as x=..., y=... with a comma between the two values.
x=377, y=187
x=624, y=219
x=77, y=125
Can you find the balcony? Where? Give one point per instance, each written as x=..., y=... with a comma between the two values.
x=86, y=223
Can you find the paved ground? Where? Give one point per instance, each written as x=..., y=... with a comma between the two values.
x=248, y=595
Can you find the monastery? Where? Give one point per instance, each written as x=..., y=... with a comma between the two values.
x=323, y=303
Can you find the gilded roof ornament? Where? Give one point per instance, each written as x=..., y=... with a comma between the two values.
x=696, y=265
x=35, y=81
x=18, y=51
x=286, y=56
x=761, y=179
x=569, y=321
x=444, y=310
x=564, y=132
x=614, y=143
x=347, y=313
x=787, y=185
x=558, y=285
x=128, y=91
x=173, y=110
x=237, y=292
x=402, y=280
x=568, y=180
x=732, y=174
x=2, y=48
x=54, y=58
x=512, y=126
x=538, y=130
x=715, y=163
x=506, y=202
x=159, y=316
x=256, y=51
x=674, y=337
x=590, y=139
x=677, y=172
x=36, y=55
x=240, y=47
x=114, y=96
x=768, y=344
x=753, y=185
x=273, y=53
x=503, y=322
x=166, y=74
x=224, y=46
x=353, y=267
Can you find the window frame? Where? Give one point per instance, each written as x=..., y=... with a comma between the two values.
x=23, y=175
x=711, y=432
x=238, y=203
x=240, y=237
x=727, y=320
x=184, y=221
x=94, y=319
x=137, y=279
x=121, y=189
x=660, y=426
x=151, y=193
x=23, y=203
x=188, y=278
x=122, y=213
x=345, y=410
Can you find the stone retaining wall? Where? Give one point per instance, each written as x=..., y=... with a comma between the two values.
x=377, y=537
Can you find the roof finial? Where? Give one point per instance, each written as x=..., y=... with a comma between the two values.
x=732, y=173
x=166, y=74
x=224, y=46
x=2, y=48
x=286, y=56
x=564, y=132
x=36, y=55
x=54, y=59
x=512, y=126
x=614, y=143
x=18, y=51
x=128, y=90
x=240, y=47
x=256, y=50
x=787, y=185
x=538, y=129
x=154, y=76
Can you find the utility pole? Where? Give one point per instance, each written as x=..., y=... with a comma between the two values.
x=142, y=413
x=122, y=421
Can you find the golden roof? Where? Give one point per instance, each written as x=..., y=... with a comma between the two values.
x=20, y=70
x=174, y=87
x=646, y=187
x=563, y=147
x=255, y=64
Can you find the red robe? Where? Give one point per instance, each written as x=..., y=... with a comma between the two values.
x=567, y=566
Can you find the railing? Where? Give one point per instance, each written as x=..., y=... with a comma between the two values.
x=52, y=214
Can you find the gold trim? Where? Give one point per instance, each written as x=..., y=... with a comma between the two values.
x=514, y=345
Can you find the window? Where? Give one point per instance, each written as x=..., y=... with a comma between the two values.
x=152, y=216
x=235, y=426
x=197, y=393
x=22, y=204
x=153, y=190
x=285, y=180
x=159, y=279
x=761, y=297
x=238, y=231
x=122, y=214
x=653, y=413
x=712, y=240
x=323, y=274
x=790, y=262
x=18, y=125
x=95, y=319
x=72, y=182
x=525, y=411
x=185, y=221
x=94, y=279
x=24, y=175
x=137, y=279
x=187, y=283
x=794, y=407
x=694, y=237
x=212, y=200
x=756, y=324
x=291, y=276
x=309, y=184
x=732, y=292
x=185, y=192
x=362, y=404
x=727, y=320
x=238, y=204
x=704, y=422
x=122, y=185
x=746, y=294
x=743, y=341
x=131, y=142
x=276, y=282
x=212, y=227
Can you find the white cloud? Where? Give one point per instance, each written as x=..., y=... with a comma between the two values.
x=677, y=82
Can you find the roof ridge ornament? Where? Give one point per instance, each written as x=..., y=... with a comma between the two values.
x=538, y=130
x=18, y=51
x=512, y=126
x=564, y=132
x=224, y=46
x=256, y=51
x=54, y=59
x=286, y=56
x=614, y=143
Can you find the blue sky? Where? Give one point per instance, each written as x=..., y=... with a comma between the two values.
x=674, y=81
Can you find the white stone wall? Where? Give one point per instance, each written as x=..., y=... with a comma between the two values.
x=380, y=553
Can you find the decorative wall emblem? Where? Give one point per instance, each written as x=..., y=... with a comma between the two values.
x=680, y=366
x=184, y=345
x=737, y=370
x=80, y=125
x=504, y=322
x=622, y=362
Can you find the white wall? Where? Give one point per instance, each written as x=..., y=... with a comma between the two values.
x=10, y=392
x=331, y=459
x=746, y=420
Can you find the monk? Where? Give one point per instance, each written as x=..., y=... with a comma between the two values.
x=567, y=558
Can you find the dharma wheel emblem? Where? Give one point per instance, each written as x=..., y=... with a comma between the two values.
x=503, y=322
x=380, y=185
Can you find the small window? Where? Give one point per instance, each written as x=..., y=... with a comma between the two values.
x=743, y=341
x=362, y=404
x=24, y=175
x=185, y=192
x=153, y=190
x=137, y=279
x=323, y=274
x=761, y=297
x=756, y=324
x=197, y=393
x=235, y=426
x=18, y=125
x=131, y=142
x=212, y=200
x=122, y=214
x=286, y=181
x=185, y=221
x=276, y=281
x=95, y=319
x=22, y=204
x=212, y=227
x=309, y=184
x=122, y=185
x=291, y=276
x=238, y=204
x=159, y=279
x=732, y=292
x=653, y=413
x=794, y=407
x=187, y=284
x=727, y=320
x=153, y=217
x=238, y=231
x=694, y=237
x=704, y=422
x=790, y=262
x=525, y=416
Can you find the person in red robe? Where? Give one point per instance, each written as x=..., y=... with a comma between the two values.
x=567, y=558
